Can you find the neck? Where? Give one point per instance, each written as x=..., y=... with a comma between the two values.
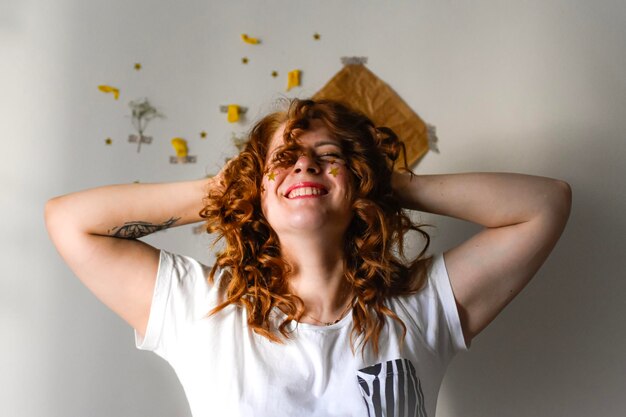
x=318, y=277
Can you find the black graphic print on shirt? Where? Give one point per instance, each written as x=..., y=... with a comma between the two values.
x=392, y=389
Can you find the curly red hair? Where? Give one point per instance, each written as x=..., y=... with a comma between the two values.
x=375, y=265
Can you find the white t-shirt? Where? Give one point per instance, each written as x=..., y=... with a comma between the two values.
x=228, y=370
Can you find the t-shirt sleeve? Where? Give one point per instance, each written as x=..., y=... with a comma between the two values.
x=182, y=295
x=434, y=312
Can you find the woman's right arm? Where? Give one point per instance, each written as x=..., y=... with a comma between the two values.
x=96, y=233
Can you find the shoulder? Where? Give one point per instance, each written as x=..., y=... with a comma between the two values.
x=427, y=281
x=432, y=311
x=186, y=280
x=183, y=294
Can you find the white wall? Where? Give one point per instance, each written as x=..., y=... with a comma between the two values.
x=527, y=86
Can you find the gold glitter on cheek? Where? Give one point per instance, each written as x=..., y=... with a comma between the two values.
x=334, y=171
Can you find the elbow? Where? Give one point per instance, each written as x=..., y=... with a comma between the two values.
x=561, y=200
x=51, y=214
x=55, y=216
x=49, y=210
x=565, y=193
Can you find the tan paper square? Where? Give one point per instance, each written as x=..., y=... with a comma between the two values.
x=358, y=87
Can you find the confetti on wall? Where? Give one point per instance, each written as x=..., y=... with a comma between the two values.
x=233, y=112
x=182, y=152
x=293, y=79
x=248, y=39
x=110, y=90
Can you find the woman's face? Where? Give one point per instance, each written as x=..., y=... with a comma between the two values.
x=312, y=194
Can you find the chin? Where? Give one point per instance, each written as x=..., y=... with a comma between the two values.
x=306, y=223
x=301, y=223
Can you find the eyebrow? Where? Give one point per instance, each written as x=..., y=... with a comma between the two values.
x=315, y=145
x=325, y=142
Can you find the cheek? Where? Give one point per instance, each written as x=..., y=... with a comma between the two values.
x=273, y=173
x=340, y=173
x=271, y=180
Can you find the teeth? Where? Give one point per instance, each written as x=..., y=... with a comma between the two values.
x=299, y=192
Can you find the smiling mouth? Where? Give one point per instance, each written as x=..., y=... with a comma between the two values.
x=306, y=192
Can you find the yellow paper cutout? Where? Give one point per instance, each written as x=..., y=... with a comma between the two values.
x=180, y=146
x=233, y=113
x=334, y=171
x=109, y=89
x=293, y=79
x=247, y=39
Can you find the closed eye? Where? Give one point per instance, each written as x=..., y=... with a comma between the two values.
x=332, y=157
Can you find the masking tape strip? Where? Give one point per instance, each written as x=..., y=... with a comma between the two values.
x=354, y=60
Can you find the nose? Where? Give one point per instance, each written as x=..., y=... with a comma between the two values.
x=306, y=163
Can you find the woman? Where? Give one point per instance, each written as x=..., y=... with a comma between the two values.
x=311, y=309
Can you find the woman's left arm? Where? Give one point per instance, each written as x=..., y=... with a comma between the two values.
x=523, y=217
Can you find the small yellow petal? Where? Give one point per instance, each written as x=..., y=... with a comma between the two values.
x=180, y=146
x=248, y=39
x=293, y=79
x=233, y=113
x=109, y=89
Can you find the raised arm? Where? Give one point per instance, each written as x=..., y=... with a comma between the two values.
x=96, y=233
x=523, y=217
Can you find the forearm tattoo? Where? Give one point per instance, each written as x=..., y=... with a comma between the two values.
x=137, y=229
